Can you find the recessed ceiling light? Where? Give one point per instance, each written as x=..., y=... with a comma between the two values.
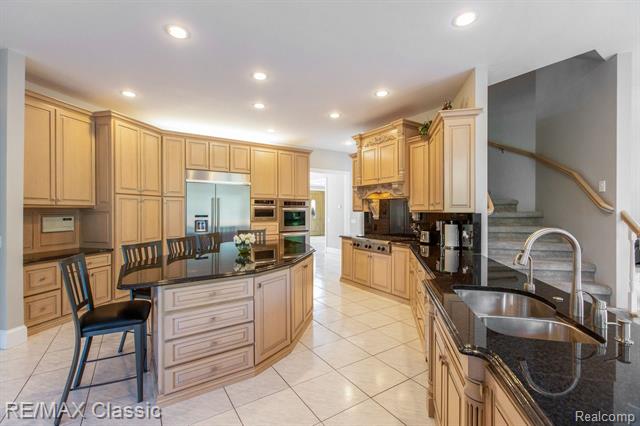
x=382, y=93
x=464, y=19
x=259, y=76
x=271, y=130
x=258, y=105
x=334, y=115
x=176, y=31
x=128, y=93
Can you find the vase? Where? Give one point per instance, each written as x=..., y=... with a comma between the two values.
x=244, y=248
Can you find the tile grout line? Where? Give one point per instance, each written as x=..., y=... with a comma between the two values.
x=233, y=407
x=299, y=397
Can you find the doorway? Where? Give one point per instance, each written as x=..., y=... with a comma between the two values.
x=317, y=213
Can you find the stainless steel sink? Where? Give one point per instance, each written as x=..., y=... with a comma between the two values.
x=538, y=328
x=506, y=304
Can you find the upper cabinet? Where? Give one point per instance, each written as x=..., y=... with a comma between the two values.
x=264, y=172
x=357, y=205
x=197, y=154
x=418, y=174
x=240, y=161
x=138, y=160
x=173, y=166
x=301, y=173
x=217, y=155
x=293, y=175
x=59, y=154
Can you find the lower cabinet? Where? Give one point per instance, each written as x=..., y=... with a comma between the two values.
x=347, y=259
x=361, y=268
x=500, y=410
x=301, y=295
x=381, y=275
x=272, y=314
x=449, y=396
x=400, y=268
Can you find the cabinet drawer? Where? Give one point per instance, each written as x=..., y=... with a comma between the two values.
x=41, y=278
x=206, y=344
x=42, y=307
x=270, y=227
x=98, y=260
x=197, y=372
x=206, y=294
x=194, y=321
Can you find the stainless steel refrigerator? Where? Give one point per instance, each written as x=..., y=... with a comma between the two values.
x=217, y=202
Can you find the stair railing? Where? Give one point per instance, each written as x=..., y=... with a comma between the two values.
x=490, y=207
x=634, y=275
x=574, y=175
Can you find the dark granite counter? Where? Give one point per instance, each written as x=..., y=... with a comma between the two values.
x=565, y=378
x=224, y=262
x=48, y=256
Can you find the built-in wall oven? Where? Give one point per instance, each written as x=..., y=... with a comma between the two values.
x=293, y=244
x=263, y=211
x=294, y=215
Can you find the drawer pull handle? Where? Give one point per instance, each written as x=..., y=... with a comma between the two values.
x=41, y=279
x=259, y=285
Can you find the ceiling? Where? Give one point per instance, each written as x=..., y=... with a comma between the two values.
x=319, y=56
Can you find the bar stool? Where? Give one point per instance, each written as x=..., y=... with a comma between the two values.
x=260, y=234
x=136, y=253
x=181, y=245
x=96, y=321
x=208, y=242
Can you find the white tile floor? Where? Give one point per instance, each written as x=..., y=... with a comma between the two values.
x=359, y=363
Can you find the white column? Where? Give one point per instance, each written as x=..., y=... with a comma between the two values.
x=482, y=155
x=12, y=85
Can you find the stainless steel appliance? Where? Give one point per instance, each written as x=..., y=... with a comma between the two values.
x=449, y=234
x=368, y=244
x=217, y=202
x=425, y=237
x=293, y=244
x=263, y=210
x=294, y=215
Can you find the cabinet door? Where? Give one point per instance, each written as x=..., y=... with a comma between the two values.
x=172, y=218
x=347, y=259
x=455, y=399
x=39, y=153
x=150, y=163
x=297, y=298
x=240, y=161
x=173, y=166
x=272, y=318
x=308, y=288
x=286, y=175
x=100, y=279
x=361, y=267
x=369, y=166
x=440, y=382
x=197, y=154
x=355, y=171
x=400, y=281
x=388, y=161
x=219, y=156
x=418, y=185
x=381, y=272
x=436, y=170
x=127, y=220
x=357, y=205
x=459, y=165
x=301, y=181
x=264, y=173
x=150, y=219
x=127, y=158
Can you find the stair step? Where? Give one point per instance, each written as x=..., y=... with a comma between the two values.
x=516, y=218
x=505, y=205
x=540, y=245
x=550, y=271
x=518, y=232
x=535, y=254
x=592, y=287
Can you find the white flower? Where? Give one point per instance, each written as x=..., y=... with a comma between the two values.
x=252, y=238
x=236, y=239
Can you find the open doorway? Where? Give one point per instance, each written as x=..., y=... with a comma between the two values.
x=317, y=213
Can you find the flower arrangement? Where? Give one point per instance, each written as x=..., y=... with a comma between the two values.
x=243, y=242
x=244, y=263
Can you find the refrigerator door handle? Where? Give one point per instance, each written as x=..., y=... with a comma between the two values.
x=217, y=214
x=214, y=215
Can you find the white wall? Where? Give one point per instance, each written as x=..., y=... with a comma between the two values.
x=480, y=99
x=512, y=121
x=330, y=160
x=466, y=96
x=12, y=84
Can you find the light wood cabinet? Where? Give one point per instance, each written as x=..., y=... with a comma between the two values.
x=436, y=170
x=138, y=160
x=173, y=211
x=459, y=164
x=361, y=267
x=388, y=161
x=100, y=281
x=240, y=159
x=500, y=410
x=272, y=314
x=173, y=166
x=419, y=172
x=41, y=308
x=219, y=156
x=301, y=176
x=271, y=229
x=369, y=165
x=197, y=154
x=59, y=155
x=356, y=179
x=400, y=268
x=298, y=278
x=308, y=288
x=150, y=163
x=150, y=219
x=346, y=253
x=264, y=172
x=381, y=273
x=40, y=278
x=286, y=174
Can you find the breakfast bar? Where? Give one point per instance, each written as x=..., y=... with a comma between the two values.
x=220, y=316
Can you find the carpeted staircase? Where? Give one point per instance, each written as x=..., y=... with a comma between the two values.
x=552, y=255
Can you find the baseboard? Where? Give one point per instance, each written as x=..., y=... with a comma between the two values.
x=13, y=337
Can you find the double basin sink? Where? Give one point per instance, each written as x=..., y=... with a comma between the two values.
x=519, y=315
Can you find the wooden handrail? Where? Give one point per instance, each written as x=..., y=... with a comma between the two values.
x=490, y=206
x=632, y=224
x=577, y=177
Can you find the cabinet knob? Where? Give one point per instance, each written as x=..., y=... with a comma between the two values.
x=259, y=285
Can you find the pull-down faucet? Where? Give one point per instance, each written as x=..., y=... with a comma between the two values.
x=576, y=299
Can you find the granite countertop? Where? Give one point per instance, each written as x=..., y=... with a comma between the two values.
x=579, y=377
x=224, y=262
x=49, y=256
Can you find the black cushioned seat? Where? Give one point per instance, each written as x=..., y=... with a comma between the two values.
x=119, y=314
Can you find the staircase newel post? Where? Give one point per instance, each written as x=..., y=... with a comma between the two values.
x=634, y=279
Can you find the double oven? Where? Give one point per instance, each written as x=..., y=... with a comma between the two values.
x=294, y=221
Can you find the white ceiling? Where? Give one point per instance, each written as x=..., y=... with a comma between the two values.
x=319, y=55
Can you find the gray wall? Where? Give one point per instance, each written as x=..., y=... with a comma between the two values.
x=512, y=121
x=576, y=126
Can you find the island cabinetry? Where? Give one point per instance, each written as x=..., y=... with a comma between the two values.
x=500, y=409
x=273, y=316
x=301, y=295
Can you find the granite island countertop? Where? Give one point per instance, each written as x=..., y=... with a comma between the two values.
x=223, y=262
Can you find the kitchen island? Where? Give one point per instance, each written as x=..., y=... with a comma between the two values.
x=219, y=317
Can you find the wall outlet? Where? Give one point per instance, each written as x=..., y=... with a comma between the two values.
x=602, y=186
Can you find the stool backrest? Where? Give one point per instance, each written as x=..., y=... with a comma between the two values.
x=208, y=242
x=260, y=234
x=181, y=245
x=141, y=252
x=76, y=281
